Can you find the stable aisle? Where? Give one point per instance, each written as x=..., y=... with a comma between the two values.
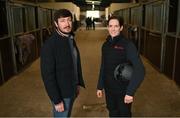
x=24, y=94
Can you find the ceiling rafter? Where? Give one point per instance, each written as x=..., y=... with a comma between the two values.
x=100, y=4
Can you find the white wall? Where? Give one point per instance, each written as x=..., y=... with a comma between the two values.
x=77, y=12
x=83, y=13
x=100, y=13
x=107, y=12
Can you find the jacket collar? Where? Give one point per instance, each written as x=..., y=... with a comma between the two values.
x=115, y=39
x=71, y=35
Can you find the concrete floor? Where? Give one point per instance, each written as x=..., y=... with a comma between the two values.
x=24, y=95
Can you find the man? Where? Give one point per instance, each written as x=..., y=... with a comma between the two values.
x=61, y=66
x=115, y=51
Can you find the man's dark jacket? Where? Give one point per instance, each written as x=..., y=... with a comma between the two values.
x=57, y=68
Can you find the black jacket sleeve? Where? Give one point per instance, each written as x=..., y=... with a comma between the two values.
x=100, y=84
x=80, y=77
x=138, y=73
x=48, y=72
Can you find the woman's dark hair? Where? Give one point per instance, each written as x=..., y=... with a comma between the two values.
x=119, y=18
x=61, y=13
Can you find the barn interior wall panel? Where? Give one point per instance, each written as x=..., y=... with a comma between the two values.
x=3, y=20
x=38, y=38
x=169, y=56
x=6, y=58
x=177, y=63
x=153, y=48
x=1, y=77
x=142, y=42
x=1, y=80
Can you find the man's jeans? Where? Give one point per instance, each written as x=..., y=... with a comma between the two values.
x=68, y=103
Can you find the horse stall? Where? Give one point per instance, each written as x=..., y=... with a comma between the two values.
x=24, y=34
x=153, y=32
x=177, y=63
x=6, y=49
x=169, y=55
x=45, y=22
x=135, y=25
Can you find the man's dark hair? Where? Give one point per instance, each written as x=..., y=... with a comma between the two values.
x=119, y=18
x=61, y=13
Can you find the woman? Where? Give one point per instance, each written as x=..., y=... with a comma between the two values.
x=118, y=50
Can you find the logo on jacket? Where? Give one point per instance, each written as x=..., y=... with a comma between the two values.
x=119, y=47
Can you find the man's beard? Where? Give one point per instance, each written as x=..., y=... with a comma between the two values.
x=60, y=31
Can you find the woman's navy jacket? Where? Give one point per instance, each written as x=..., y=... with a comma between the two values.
x=114, y=52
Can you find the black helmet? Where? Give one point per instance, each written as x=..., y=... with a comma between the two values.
x=123, y=71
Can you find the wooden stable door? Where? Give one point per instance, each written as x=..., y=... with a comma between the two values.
x=177, y=63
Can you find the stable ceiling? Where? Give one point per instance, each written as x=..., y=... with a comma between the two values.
x=86, y=4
